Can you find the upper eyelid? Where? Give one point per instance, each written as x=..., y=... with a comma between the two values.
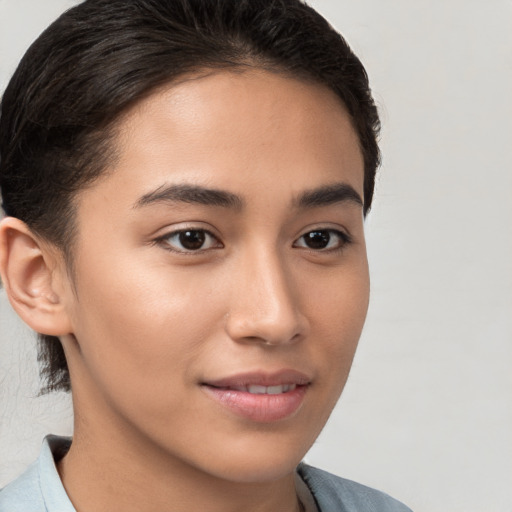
x=334, y=229
x=193, y=226
x=329, y=230
x=345, y=237
x=174, y=232
x=187, y=226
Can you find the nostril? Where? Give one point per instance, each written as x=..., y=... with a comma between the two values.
x=274, y=342
x=266, y=310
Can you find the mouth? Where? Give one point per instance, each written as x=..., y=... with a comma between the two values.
x=256, y=389
x=259, y=397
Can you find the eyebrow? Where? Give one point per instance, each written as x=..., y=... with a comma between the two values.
x=191, y=194
x=328, y=195
x=195, y=194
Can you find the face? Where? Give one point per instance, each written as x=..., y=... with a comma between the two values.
x=220, y=275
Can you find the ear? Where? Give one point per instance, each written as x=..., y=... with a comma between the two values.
x=35, y=278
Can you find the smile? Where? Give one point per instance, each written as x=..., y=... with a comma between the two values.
x=256, y=389
x=260, y=397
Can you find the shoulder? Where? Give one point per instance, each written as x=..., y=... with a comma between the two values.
x=39, y=488
x=24, y=494
x=335, y=494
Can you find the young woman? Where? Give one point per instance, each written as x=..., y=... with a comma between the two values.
x=185, y=184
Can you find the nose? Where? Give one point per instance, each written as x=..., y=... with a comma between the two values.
x=265, y=305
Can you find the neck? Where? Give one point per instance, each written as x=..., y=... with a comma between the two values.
x=116, y=472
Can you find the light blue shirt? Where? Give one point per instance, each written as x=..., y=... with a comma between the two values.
x=40, y=489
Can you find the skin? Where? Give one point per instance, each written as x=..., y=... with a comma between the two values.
x=145, y=322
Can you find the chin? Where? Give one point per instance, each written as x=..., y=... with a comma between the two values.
x=253, y=471
x=258, y=461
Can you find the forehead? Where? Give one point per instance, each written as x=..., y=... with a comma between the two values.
x=236, y=131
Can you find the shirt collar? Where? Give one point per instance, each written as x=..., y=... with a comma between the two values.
x=56, y=499
x=52, y=490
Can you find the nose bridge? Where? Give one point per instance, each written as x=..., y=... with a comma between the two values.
x=265, y=306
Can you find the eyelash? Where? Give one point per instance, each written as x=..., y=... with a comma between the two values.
x=344, y=240
x=164, y=241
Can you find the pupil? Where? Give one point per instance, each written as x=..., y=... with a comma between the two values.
x=192, y=240
x=317, y=239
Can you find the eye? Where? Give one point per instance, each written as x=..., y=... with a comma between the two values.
x=323, y=240
x=190, y=240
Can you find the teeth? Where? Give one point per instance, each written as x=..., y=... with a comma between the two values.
x=268, y=390
x=239, y=388
x=257, y=390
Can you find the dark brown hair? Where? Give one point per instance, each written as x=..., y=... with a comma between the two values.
x=101, y=56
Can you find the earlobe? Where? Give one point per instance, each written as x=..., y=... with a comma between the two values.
x=32, y=276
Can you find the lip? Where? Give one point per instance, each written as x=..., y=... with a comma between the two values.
x=261, y=378
x=260, y=408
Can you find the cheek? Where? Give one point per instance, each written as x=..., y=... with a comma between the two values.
x=339, y=302
x=338, y=312
x=140, y=326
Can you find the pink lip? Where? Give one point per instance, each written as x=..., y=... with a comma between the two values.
x=261, y=408
x=261, y=378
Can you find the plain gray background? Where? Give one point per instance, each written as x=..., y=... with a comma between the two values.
x=427, y=411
